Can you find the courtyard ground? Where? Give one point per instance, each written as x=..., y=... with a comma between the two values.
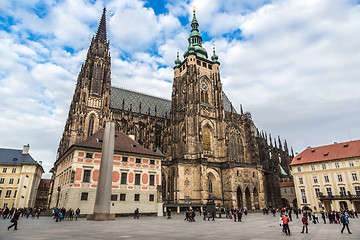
x=254, y=226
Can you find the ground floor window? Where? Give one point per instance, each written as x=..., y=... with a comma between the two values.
x=151, y=197
x=122, y=196
x=84, y=196
x=137, y=197
x=114, y=197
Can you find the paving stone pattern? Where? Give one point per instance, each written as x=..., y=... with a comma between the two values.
x=254, y=226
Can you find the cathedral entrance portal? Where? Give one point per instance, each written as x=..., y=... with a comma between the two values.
x=248, y=199
x=239, y=198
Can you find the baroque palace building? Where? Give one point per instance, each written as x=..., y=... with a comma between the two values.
x=327, y=177
x=212, y=152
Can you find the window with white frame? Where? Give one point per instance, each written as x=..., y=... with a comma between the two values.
x=329, y=191
x=301, y=180
x=313, y=168
x=285, y=191
x=315, y=179
x=337, y=165
x=354, y=177
x=342, y=191
x=303, y=195
x=323, y=166
x=340, y=177
x=326, y=179
x=357, y=190
x=351, y=164
x=8, y=194
x=317, y=192
x=299, y=169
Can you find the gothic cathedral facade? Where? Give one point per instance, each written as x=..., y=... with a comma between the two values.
x=212, y=152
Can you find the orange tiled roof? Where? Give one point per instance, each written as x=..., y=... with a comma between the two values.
x=328, y=152
x=286, y=184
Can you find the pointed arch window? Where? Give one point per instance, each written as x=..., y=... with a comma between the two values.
x=210, y=186
x=91, y=126
x=206, y=139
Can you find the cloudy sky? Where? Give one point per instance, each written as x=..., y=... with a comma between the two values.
x=294, y=64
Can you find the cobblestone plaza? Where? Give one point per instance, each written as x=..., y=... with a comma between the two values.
x=253, y=226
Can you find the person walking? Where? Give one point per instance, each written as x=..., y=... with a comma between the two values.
x=305, y=223
x=168, y=213
x=77, y=213
x=239, y=215
x=286, y=224
x=323, y=216
x=345, y=221
x=136, y=213
x=14, y=220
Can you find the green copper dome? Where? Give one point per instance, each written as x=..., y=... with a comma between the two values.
x=214, y=57
x=195, y=41
x=177, y=61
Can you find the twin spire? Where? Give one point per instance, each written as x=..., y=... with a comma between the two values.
x=101, y=32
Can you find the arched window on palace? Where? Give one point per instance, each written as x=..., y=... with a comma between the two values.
x=206, y=139
x=91, y=126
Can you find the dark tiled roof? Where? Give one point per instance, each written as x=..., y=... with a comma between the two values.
x=7, y=157
x=133, y=99
x=123, y=143
x=328, y=152
x=163, y=106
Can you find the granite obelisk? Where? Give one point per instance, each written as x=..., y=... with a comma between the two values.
x=104, y=186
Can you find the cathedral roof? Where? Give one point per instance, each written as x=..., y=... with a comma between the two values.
x=334, y=151
x=133, y=99
x=123, y=143
x=15, y=157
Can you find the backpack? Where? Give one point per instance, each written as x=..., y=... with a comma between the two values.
x=343, y=219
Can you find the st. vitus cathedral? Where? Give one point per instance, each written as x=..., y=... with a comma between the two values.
x=212, y=152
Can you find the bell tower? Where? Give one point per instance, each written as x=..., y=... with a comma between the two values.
x=198, y=123
x=90, y=106
x=197, y=102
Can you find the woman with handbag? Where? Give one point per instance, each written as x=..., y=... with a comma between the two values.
x=305, y=223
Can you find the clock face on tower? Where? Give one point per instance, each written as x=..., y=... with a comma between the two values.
x=204, y=86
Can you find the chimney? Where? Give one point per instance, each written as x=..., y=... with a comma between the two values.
x=132, y=135
x=26, y=149
x=40, y=163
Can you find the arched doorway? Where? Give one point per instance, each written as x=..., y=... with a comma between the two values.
x=248, y=199
x=239, y=198
x=256, y=199
x=285, y=202
x=343, y=205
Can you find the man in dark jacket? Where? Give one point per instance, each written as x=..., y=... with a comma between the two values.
x=14, y=220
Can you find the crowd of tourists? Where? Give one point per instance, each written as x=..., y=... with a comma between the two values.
x=311, y=217
x=60, y=214
x=14, y=214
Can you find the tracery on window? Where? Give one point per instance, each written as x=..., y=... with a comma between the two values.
x=236, y=150
x=91, y=126
x=206, y=138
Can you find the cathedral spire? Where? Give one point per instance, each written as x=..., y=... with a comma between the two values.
x=195, y=41
x=101, y=32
